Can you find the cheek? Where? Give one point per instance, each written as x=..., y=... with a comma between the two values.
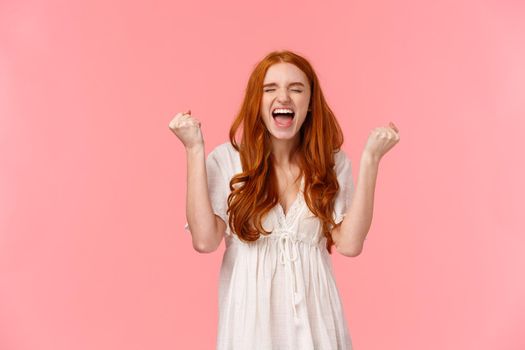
x=303, y=101
x=265, y=116
x=265, y=105
x=301, y=121
x=307, y=99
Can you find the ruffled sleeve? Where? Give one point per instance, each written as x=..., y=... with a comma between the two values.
x=218, y=183
x=343, y=199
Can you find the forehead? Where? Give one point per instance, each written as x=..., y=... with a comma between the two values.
x=284, y=73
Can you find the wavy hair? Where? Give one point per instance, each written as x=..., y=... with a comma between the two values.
x=254, y=191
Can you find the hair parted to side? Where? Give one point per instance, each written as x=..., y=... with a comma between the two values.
x=254, y=191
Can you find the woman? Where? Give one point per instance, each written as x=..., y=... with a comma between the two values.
x=281, y=199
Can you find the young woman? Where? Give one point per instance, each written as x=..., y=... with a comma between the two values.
x=281, y=198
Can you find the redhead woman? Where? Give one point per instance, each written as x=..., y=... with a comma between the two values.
x=280, y=193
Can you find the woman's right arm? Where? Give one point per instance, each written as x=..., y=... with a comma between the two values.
x=207, y=229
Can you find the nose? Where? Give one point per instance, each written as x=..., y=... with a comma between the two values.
x=283, y=95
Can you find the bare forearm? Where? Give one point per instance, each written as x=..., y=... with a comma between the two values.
x=199, y=212
x=358, y=218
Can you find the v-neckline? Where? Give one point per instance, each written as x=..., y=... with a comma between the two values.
x=291, y=205
x=294, y=202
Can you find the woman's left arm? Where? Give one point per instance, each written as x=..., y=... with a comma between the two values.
x=350, y=235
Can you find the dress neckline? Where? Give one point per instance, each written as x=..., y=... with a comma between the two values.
x=294, y=206
x=291, y=205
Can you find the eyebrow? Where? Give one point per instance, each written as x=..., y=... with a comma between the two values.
x=275, y=84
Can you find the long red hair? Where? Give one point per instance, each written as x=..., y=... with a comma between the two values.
x=254, y=191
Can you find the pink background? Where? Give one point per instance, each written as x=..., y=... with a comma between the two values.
x=93, y=253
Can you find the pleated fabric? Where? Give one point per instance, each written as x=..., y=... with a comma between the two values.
x=279, y=292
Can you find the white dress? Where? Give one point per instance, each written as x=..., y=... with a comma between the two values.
x=278, y=292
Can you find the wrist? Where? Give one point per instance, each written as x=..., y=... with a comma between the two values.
x=197, y=148
x=370, y=159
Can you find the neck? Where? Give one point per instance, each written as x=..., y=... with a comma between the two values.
x=282, y=151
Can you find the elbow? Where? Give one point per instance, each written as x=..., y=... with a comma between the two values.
x=204, y=248
x=351, y=251
x=203, y=242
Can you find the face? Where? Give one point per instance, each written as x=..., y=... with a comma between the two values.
x=285, y=89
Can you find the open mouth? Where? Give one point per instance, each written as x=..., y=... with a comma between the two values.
x=283, y=116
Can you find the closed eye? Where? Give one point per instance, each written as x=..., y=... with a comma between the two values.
x=268, y=90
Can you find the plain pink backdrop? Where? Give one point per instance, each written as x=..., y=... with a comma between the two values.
x=93, y=253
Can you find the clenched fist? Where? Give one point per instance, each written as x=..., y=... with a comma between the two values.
x=381, y=140
x=187, y=129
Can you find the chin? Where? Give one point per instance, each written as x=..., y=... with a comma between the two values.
x=283, y=135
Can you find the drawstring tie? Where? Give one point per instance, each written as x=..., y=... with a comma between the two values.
x=288, y=253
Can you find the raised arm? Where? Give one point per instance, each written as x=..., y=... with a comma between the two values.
x=207, y=229
x=350, y=235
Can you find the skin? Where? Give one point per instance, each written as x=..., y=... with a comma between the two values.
x=208, y=230
x=284, y=94
x=286, y=91
x=350, y=235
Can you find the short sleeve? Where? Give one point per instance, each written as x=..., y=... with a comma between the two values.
x=218, y=183
x=343, y=199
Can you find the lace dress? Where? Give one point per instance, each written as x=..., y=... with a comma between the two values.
x=278, y=292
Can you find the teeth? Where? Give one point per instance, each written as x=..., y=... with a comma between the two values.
x=283, y=110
